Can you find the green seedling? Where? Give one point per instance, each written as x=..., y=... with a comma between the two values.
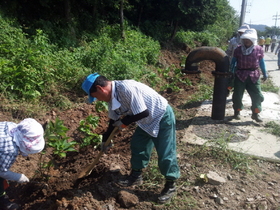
x=86, y=127
x=56, y=137
x=101, y=106
x=44, y=166
x=62, y=146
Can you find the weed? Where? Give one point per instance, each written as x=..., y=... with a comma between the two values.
x=152, y=79
x=273, y=128
x=268, y=86
x=219, y=149
x=153, y=177
x=173, y=77
x=205, y=92
x=188, y=37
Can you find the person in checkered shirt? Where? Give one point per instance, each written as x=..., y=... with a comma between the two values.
x=24, y=138
x=248, y=59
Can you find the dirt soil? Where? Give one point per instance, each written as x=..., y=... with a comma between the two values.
x=58, y=188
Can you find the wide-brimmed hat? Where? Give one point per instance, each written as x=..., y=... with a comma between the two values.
x=243, y=28
x=87, y=85
x=250, y=34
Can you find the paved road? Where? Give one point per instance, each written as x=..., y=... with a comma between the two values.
x=272, y=68
x=255, y=141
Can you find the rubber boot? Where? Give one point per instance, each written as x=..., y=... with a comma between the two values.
x=236, y=115
x=6, y=204
x=256, y=116
x=134, y=179
x=168, y=192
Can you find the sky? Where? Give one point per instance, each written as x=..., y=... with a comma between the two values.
x=259, y=11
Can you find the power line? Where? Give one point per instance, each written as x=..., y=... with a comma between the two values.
x=276, y=18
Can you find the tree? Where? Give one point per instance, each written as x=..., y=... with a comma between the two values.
x=226, y=23
x=272, y=31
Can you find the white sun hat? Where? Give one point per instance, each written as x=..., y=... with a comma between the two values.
x=250, y=34
x=29, y=136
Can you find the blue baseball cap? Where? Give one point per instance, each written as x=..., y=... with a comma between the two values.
x=87, y=85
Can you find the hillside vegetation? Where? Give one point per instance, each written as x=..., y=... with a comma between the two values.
x=48, y=47
x=45, y=54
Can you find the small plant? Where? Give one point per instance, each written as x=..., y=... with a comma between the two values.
x=55, y=135
x=151, y=78
x=44, y=167
x=173, y=78
x=204, y=93
x=86, y=127
x=101, y=106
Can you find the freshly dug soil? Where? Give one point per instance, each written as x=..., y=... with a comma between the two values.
x=57, y=186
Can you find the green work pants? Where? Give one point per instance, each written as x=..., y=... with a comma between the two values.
x=253, y=89
x=142, y=145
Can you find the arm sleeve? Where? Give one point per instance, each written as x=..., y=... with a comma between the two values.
x=232, y=64
x=263, y=68
x=110, y=128
x=133, y=118
x=126, y=121
x=9, y=175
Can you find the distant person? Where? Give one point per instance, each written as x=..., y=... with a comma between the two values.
x=235, y=41
x=248, y=58
x=267, y=43
x=278, y=51
x=261, y=41
x=131, y=101
x=24, y=138
x=273, y=43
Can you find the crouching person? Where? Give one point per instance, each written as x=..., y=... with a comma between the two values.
x=24, y=138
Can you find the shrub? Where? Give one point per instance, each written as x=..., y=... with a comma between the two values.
x=190, y=38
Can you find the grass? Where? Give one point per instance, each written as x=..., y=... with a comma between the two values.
x=268, y=86
x=272, y=128
x=213, y=152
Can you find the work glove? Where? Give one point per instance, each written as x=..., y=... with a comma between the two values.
x=119, y=124
x=105, y=148
x=23, y=179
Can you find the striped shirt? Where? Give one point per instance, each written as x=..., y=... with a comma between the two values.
x=8, y=148
x=250, y=61
x=136, y=97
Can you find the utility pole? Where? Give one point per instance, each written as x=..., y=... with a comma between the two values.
x=276, y=18
x=243, y=11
